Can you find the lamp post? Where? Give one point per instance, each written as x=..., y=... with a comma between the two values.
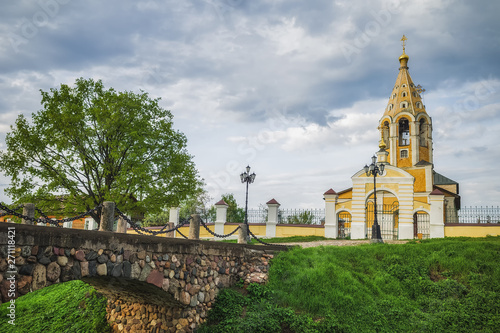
x=247, y=178
x=373, y=170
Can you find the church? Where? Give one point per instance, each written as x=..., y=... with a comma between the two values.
x=413, y=200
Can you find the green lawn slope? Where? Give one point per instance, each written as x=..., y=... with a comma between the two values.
x=64, y=307
x=442, y=285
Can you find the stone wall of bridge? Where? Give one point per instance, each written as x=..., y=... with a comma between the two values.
x=152, y=283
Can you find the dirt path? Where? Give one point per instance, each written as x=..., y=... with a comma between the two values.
x=341, y=242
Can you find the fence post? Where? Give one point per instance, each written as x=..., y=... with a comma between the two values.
x=194, y=227
x=121, y=226
x=29, y=211
x=436, y=199
x=331, y=227
x=272, y=218
x=107, y=216
x=173, y=220
x=243, y=234
x=220, y=217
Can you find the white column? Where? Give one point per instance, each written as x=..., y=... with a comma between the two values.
x=174, y=217
x=436, y=199
x=272, y=217
x=220, y=217
x=331, y=228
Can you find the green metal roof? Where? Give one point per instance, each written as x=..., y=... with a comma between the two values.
x=439, y=179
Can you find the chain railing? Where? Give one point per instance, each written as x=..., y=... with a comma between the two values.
x=216, y=234
x=44, y=218
x=142, y=231
x=137, y=227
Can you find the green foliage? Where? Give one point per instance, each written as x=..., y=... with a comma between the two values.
x=156, y=219
x=305, y=217
x=235, y=214
x=65, y=307
x=439, y=285
x=89, y=144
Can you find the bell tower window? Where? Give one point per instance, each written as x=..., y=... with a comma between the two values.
x=423, y=133
x=404, y=132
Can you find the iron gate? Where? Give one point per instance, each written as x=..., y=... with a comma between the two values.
x=421, y=225
x=344, y=225
x=387, y=218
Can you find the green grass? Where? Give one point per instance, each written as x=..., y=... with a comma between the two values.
x=442, y=285
x=72, y=306
x=292, y=239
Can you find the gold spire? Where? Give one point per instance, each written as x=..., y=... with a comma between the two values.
x=404, y=55
x=381, y=143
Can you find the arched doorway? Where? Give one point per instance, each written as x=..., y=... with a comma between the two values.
x=387, y=215
x=344, y=225
x=421, y=225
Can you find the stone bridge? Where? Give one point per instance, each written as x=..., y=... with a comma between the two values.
x=153, y=284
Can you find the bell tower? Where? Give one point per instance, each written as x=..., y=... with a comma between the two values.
x=406, y=128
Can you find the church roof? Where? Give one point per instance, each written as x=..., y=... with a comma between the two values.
x=439, y=179
x=405, y=95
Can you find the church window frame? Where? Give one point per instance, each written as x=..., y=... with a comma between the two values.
x=403, y=85
x=418, y=105
x=404, y=131
x=403, y=153
x=403, y=94
x=389, y=107
x=403, y=105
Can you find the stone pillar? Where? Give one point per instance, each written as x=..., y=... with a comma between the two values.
x=243, y=234
x=436, y=200
x=173, y=218
x=107, y=216
x=272, y=217
x=194, y=227
x=29, y=211
x=331, y=227
x=170, y=234
x=122, y=226
x=220, y=217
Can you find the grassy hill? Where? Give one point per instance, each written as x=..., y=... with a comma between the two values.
x=442, y=285
x=72, y=306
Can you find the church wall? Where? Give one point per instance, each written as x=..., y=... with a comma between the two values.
x=420, y=182
x=424, y=153
x=420, y=199
x=451, y=188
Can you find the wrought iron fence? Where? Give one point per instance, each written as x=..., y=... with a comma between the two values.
x=289, y=216
x=301, y=216
x=344, y=225
x=473, y=215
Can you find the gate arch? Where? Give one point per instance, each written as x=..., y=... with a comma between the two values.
x=421, y=225
x=387, y=214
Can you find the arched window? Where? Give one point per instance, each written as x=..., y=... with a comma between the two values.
x=423, y=132
x=418, y=105
x=403, y=105
x=403, y=94
x=404, y=132
x=385, y=133
x=389, y=107
x=404, y=85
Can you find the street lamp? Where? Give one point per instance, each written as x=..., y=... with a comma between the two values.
x=375, y=169
x=248, y=178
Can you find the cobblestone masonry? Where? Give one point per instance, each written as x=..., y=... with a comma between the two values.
x=152, y=284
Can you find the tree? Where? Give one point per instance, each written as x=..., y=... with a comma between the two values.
x=88, y=145
x=235, y=214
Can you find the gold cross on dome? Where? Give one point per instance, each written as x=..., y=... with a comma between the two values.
x=403, y=40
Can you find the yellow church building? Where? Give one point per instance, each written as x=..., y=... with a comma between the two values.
x=412, y=198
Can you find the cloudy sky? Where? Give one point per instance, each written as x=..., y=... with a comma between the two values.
x=293, y=88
